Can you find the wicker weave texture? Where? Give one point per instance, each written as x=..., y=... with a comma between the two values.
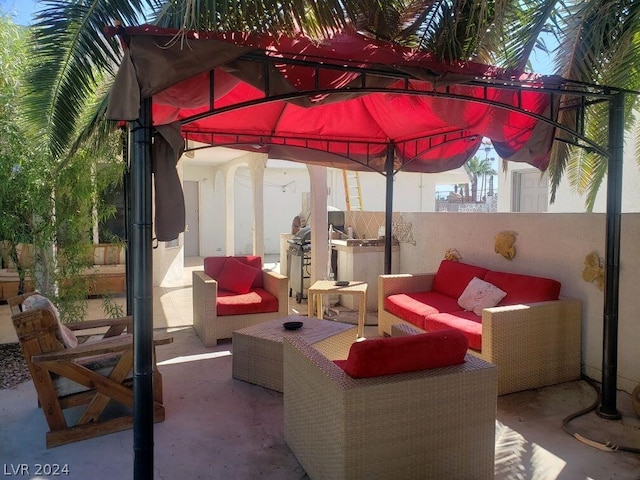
x=210, y=327
x=533, y=345
x=257, y=350
x=403, y=330
x=431, y=424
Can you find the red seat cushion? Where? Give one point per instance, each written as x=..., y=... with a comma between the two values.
x=236, y=276
x=417, y=306
x=257, y=300
x=524, y=288
x=468, y=323
x=388, y=356
x=213, y=266
x=453, y=277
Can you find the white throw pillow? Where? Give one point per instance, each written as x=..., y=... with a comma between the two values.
x=65, y=335
x=480, y=294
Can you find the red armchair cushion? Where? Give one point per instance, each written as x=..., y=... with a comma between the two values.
x=453, y=277
x=213, y=266
x=417, y=306
x=257, y=300
x=467, y=322
x=524, y=288
x=236, y=276
x=388, y=356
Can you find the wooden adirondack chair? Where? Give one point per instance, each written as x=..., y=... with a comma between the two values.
x=94, y=374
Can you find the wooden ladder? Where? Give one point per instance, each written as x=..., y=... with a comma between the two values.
x=352, y=190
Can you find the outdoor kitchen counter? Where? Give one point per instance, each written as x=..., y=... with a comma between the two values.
x=363, y=260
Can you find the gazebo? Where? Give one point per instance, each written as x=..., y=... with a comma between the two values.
x=348, y=102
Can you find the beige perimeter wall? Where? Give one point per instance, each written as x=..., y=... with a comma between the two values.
x=549, y=245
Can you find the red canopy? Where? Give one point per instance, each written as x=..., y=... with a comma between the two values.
x=338, y=103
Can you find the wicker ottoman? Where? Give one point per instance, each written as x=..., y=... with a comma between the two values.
x=257, y=350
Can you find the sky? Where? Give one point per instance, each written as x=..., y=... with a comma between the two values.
x=19, y=10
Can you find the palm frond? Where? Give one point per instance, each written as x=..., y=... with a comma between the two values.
x=599, y=44
x=69, y=47
x=94, y=130
x=460, y=31
x=521, y=31
x=313, y=17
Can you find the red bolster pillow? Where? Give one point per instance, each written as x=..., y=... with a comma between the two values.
x=388, y=356
x=237, y=276
x=213, y=267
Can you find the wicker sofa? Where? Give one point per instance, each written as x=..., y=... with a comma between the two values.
x=431, y=423
x=106, y=273
x=532, y=335
x=235, y=292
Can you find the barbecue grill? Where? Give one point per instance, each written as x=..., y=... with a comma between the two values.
x=299, y=261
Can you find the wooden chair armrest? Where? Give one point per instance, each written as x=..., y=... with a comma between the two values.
x=108, y=345
x=101, y=322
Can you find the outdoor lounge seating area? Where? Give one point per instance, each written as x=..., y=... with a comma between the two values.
x=228, y=428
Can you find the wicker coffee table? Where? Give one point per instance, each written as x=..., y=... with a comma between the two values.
x=257, y=350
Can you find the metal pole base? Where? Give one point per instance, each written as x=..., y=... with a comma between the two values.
x=608, y=415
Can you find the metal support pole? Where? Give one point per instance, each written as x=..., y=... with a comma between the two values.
x=126, y=182
x=142, y=295
x=607, y=407
x=388, y=217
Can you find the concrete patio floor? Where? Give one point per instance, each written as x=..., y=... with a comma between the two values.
x=217, y=427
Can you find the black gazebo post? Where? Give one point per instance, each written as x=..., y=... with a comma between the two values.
x=142, y=293
x=608, y=407
x=388, y=217
x=126, y=182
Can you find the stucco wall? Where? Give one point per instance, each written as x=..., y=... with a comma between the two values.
x=549, y=245
x=285, y=184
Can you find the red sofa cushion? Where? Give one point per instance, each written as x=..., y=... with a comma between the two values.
x=453, y=277
x=466, y=322
x=417, y=306
x=388, y=356
x=213, y=266
x=237, y=276
x=257, y=300
x=524, y=288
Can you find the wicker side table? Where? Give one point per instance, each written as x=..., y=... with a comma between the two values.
x=257, y=350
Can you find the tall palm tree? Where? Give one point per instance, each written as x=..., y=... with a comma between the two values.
x=480, y=169
x=597, y=42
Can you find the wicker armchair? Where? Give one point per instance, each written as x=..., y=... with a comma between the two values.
x=212, y=327
x=437, y=423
